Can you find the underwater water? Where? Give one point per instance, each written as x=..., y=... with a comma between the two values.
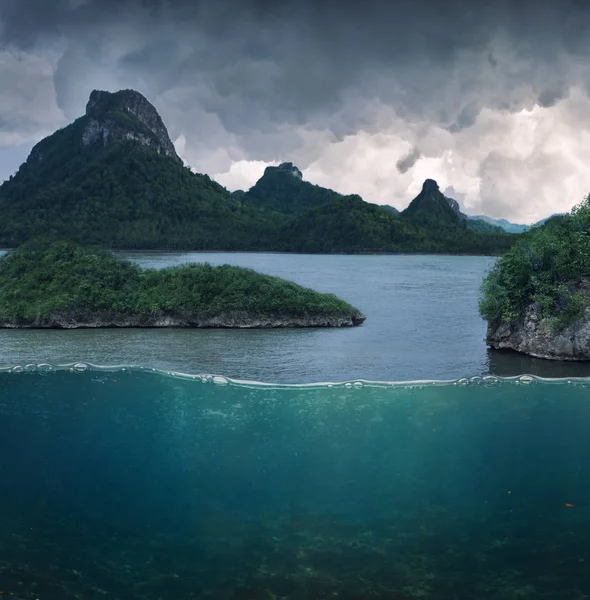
x=137, y=484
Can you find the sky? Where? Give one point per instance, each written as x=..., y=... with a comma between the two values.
x=490, y=99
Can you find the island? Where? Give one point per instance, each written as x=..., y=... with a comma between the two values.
x=536, y=299
x=113, y=178
x=49, y=283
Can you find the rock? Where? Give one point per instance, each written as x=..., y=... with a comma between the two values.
x=430, y=204
x=230, y=320
x=286, y=167
x=535, y=337
x=430, y=187
x=455, y=206
x=125, y=115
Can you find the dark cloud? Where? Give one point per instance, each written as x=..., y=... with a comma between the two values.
x=256, y=61
x=548, y=97
x=272, y=80
x=407, y=162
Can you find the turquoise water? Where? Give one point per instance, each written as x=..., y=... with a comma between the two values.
x=137, y=484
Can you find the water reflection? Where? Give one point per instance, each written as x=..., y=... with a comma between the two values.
x=508, y=363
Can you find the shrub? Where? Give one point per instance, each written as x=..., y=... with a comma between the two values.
x=47, y=276
x=546, y=266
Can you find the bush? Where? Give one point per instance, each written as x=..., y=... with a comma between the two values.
x=47, y=276
x=546, y=266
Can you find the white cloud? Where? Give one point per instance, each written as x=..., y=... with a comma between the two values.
x=522, y=166
x=242, y=174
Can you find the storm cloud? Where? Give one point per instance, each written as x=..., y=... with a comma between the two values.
x=407, y=162
x=366, y=97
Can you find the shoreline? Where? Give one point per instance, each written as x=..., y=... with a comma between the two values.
x=186, y=320
x=282, y=252
x=302, y=253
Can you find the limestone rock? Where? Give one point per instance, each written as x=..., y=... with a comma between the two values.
x=233, y=320
x=125, y=115
x=286, y=167
x=534, y=336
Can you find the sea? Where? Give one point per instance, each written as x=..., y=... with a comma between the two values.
x=398, y=460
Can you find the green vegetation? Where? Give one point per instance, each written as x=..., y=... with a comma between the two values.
x=278, y=190
x=443, y=228
x=483, y=226
x=45, y=278
x=125, y=120
x=348, y=224
x=501, y=223
x=547, y=266
x=126, y=195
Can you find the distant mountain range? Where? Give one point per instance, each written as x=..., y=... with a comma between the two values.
x=113, y=178
x=502, y=223
x=267, y=191
x=513, y=227
x=543, y=221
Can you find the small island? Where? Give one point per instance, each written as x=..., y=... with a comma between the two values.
x=536, y=299
x=63, y=285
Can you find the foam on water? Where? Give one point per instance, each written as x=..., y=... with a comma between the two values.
x=475, y=381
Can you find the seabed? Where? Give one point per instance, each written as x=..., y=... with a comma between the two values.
x=298, y=557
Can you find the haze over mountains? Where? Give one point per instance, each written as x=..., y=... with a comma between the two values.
x=112, y=177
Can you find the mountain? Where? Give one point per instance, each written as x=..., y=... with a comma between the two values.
x=483, y=226
x=349, y=224
x=438, y=198
x=502, y=223
x=113, y=178
x=432, y=208
x=513, y=227
x=448, y=227
x=436, y=204
x=283, y=189
x=543, y=221
x=390, y=208
x=431, y=205
x=126, y=115
x=322, y=220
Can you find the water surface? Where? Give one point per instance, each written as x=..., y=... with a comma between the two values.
x=422, y=322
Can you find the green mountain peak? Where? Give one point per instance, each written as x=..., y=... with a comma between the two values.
x=431, y=205
x=113, y=178
x=283, y=189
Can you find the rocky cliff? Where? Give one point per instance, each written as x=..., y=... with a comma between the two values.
x=534, y=336
x=225, y=320
x=125, y=115
x=286, y=167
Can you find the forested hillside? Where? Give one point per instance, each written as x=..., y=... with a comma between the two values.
x=113, y=178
